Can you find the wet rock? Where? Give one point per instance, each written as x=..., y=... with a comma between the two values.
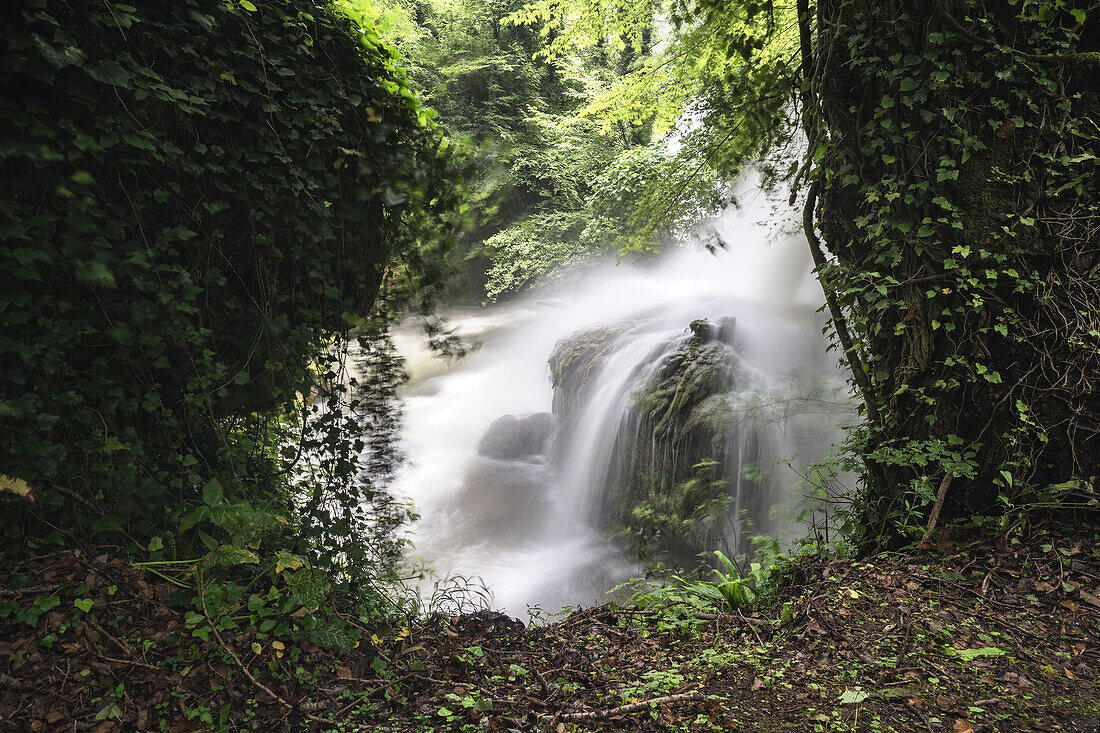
x=512, y=438
x=668, y=487
x=576, y=361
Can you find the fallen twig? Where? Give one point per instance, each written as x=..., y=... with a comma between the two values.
x=120, y=644
x=135, y=663
x=625, y=709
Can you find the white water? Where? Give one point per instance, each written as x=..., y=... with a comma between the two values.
x=524, y=527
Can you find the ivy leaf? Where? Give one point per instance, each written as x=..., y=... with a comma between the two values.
x=287, y=561
x=213, y=493
x=84, y=604
x=230, y=555
x=58, y=58
x=109, y=72
x=45, y=603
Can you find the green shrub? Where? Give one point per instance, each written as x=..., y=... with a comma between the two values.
x=201, y=199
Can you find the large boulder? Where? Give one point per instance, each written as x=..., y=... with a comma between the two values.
x=668, y=488
x=576, y=361
x=512, y=438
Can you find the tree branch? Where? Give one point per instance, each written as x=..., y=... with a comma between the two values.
x=839, y=322
x=937, y=507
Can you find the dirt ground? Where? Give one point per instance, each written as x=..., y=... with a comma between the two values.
x=962, y=637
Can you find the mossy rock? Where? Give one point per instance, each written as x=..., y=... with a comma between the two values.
x=576, y=360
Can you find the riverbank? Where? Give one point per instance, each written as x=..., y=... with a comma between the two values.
x=977, y=636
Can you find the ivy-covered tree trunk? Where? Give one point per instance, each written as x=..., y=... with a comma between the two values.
x=957, y=181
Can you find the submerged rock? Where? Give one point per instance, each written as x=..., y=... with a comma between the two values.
x=512, y=438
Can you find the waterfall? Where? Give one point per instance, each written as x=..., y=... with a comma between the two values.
x=519, y=499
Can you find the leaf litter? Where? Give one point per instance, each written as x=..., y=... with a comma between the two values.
x=964, y=637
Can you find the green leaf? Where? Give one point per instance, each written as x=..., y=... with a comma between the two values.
x=45, y=603
x=111, y=710
x=109, y=72
x=113, y=444
x=969, y=655
x=1079, y=15
x=213, y=493
x=853, y=697
x=84, y=604
x=230, y=555
x=248, y=6
x=287, y=561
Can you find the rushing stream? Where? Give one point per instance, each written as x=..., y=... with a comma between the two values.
x=524, y=520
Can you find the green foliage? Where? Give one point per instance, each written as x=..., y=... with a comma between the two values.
x=529, y=251
x=203, y=199
x=678, y=603
x=512, y=112
x=648, y=197
x=674, y=518
x=716, y=92
x=732, y=589
x=952, y=165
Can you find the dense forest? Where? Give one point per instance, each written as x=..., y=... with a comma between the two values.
x=221, y=218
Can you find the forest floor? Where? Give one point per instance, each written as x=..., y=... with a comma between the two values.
x=961, y=637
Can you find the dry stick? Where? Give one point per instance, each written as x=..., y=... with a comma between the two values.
x=624, y=709
x=134, y=662
x=732, y=617
x=120, y=644
x=363, y=696
x=751, y=627
x=935, y=516
x=542, y=683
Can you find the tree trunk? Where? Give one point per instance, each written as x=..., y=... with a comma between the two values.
x=958, y=203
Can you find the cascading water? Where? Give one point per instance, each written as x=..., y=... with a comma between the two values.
x=518, y=502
